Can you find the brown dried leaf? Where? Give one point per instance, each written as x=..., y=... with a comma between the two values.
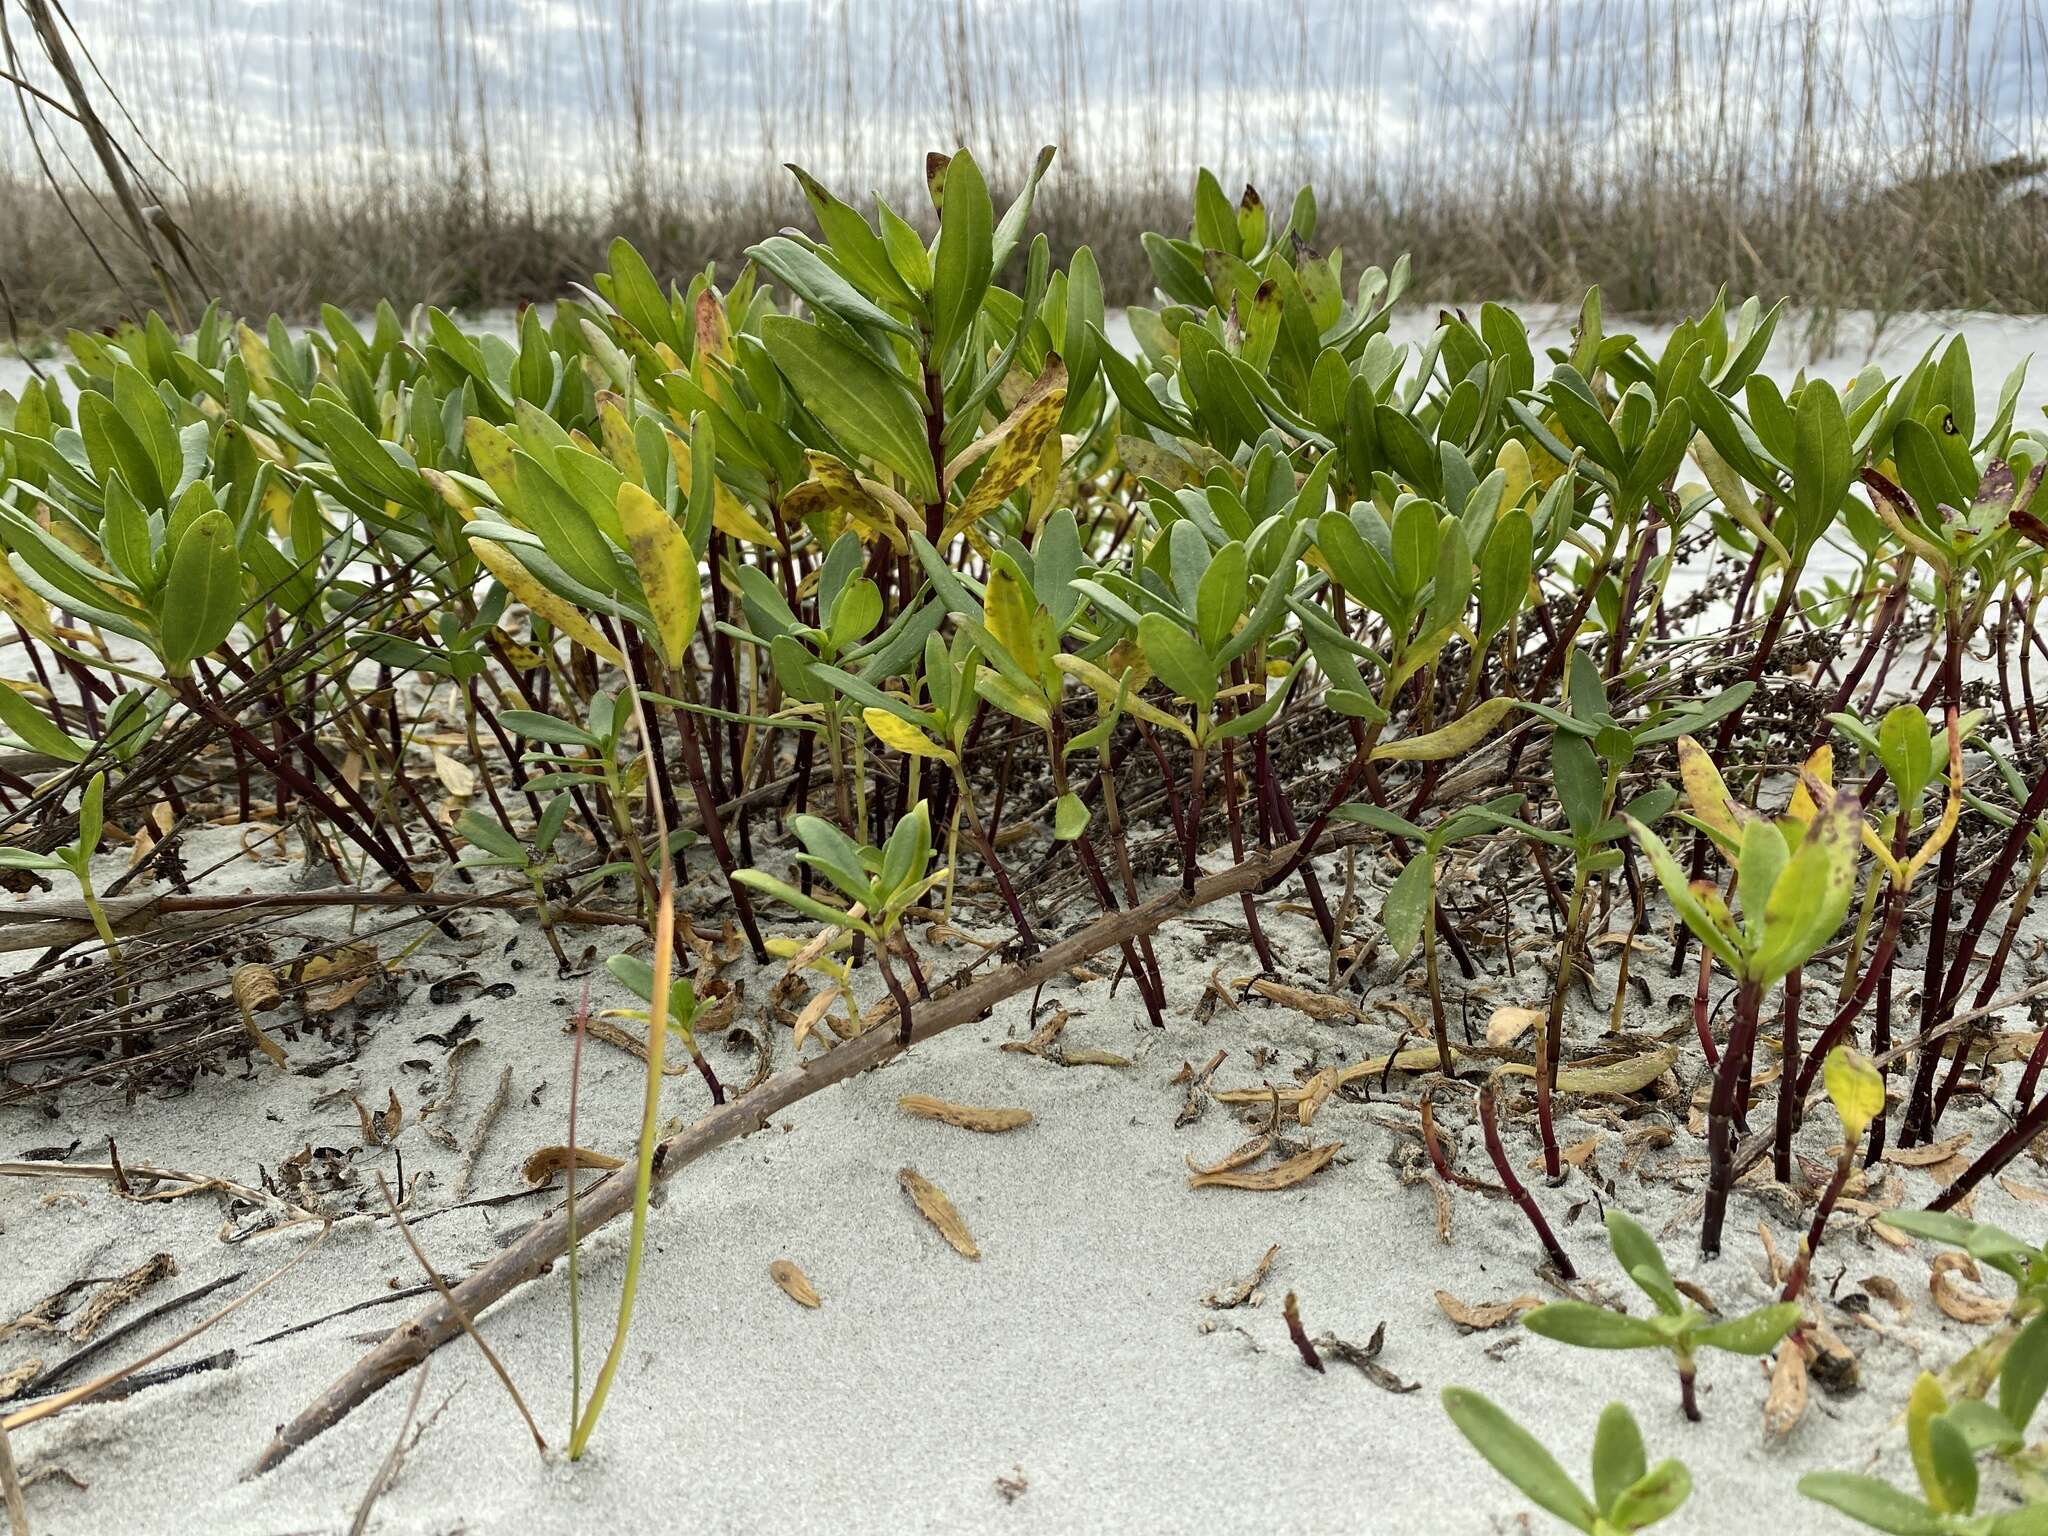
x=1317, y=1005
x=458, y=778
x=601, y=1028
x=549, y=1161
x=11, y=1382
x=1786, y=1403
x=1246, y=1152
x=1247, y=1289
x=335, y=980
x=1280, y=1176
x=1951, y=1272
x=1508, y=1023
x=1041, y=1038
x=795, y=1283
x=379, y=1128
x=1479, y=1316
x=968, y=1117
x=118, y=1292
x=1930, y=1154
x=1888, y=1290
x=1088, y=1056
x=1315, y=1094
x=2026, y=1193
x=933, y=1205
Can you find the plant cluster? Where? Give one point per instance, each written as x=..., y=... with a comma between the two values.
x=884, y=539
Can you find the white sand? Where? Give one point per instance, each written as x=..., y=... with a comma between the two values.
x=1077, y=1350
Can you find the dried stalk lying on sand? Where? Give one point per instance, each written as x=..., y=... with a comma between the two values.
x=411, y=1343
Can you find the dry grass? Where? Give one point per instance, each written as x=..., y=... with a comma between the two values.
x=1844, y=151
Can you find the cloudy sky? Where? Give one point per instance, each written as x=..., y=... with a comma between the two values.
x=584, y=99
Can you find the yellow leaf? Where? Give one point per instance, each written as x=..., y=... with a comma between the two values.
x=667, y=567
x=900, y=735
x=490, y=450
x=1513, y=461
x=729, y=515
x=1856, y=1088
x=21, y=604
x=1706, y=793
x=1013, y=453
x=1461, y=735
x=834, y=491
x=1009, y=620
x=543, y=604
x=255, y=357
x=1801, y=808
x=456, y=776
x=617, y=432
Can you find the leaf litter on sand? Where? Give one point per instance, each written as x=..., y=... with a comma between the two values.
x=933, y=1205
x=1246, y=1291
x=795, y=1284
x=968, y=1117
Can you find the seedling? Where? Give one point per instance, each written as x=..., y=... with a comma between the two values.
x=1795, y=880
x=75, y=859
x=1677, y=1325
x=1628, y=1494
x=493, y=845
x=1856, y=1088
x=881, y=883
x=1946, y=1439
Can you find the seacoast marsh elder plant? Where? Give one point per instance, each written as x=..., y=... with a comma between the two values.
x=764, y=586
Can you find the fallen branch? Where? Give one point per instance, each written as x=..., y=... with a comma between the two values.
x=410, y=1343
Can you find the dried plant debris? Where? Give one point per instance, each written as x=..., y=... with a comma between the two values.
x=933, y=1205
x=1785, y=1404
x=1957, y=1288
x=1292, y=1309
x=1366, y=1358
x=795, y=1284
x=1246, y=1292
x=117, y=1293
x=1480, y=1316
x=1280, y=1176
x=967, y=1117
x=544, y=1164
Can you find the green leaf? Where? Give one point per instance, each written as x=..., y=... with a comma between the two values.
x=2024, y=1373
x=203, y=594
x=790, y=896
x=1812, y=895
x=1875, y=1503
x=92, y=815
x=1652, y=1497
x=1517, y=1456
x=1618, y=1459
x=1954, y=1467
x=1069, y=817
x=805, y=273
x=907, y=852
x=1178, y=660
x=965, y=258
x=1591, y=1327
x=868, y=407
x=538, y=727
x=1639, y=1255
x=1581, y=782
x=36, y=731
x=1671, y=876
x=486, y=833
x=1408, y=904
x=1823, y=461
x=1220, y=596
x=1754, y=1333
